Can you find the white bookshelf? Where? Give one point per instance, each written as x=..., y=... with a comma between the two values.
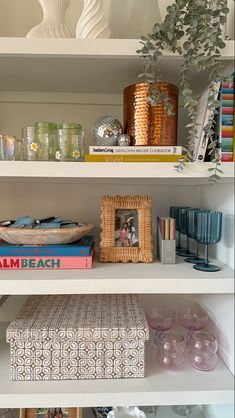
x=157, y=388
x=70, y=79
x=74, y=65
x=156, y=173
x=152, y=278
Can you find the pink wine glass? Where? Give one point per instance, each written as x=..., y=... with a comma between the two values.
x=193, y=318
x=170, y=355
x=202, y=351
x=160, y=318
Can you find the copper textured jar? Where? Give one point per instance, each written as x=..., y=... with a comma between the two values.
x=146, y=124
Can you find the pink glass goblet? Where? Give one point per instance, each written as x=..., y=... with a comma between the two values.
x=193, y=318
x=160, y=318
x=203, y=347
x=170, y=355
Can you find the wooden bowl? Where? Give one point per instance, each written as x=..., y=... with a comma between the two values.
x=44, y=236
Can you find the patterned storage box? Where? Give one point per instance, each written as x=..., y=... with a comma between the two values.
x=78, y=337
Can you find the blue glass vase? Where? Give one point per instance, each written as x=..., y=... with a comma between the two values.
x=192, y=231
x=209, y=224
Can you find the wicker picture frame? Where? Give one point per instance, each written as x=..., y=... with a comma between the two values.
x=109, y=252
x=32, y=413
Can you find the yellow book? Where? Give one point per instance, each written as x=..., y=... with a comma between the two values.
x=131, y=158
x=167, y=228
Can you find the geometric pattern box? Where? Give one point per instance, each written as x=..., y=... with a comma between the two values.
x=70, y=337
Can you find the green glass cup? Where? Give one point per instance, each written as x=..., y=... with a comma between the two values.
x=45, y=133
x=69, y=143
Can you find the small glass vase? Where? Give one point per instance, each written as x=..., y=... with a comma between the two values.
x=202, y=351
x=160, y=318
x=10, y=148
x=170, y=355
x=193, y=318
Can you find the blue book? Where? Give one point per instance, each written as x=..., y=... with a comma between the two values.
x=76, y=249
x=227, y=120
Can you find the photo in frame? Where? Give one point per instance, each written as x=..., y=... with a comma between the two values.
x=126, y=229
x=51, y=413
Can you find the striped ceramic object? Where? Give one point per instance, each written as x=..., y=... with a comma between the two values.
x=92, y=22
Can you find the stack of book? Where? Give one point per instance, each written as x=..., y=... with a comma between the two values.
x=226, y=120
x=167, y=240
x=167, y=228
x=78, y=255
x=134, y=154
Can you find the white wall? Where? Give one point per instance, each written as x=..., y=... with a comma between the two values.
x=127, y=18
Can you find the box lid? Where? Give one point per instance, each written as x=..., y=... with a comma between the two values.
x=79, y=317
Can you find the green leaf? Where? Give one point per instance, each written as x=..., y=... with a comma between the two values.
x=187, y=45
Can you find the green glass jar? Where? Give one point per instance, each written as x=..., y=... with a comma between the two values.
x=70, y=142
x=45, y=133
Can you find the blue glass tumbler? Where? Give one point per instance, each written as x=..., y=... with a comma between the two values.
x=192, y=231
x=209, y=224
x=183, y=229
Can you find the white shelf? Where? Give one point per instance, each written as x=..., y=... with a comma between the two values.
x=162, y=173
x=157, y=388
x=84, y=66
x=154, y=278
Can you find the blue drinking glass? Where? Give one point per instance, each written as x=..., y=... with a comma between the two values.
x=209, y=224
x=183, y=229
x=192, y=231
x=174, y=213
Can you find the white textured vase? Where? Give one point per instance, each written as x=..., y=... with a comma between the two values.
x=92, y=22
x=53, y=24
x=126, y=412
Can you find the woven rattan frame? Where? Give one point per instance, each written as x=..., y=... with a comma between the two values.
x=31, y=413
x=108, y=251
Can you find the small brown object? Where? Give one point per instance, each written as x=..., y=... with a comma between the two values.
x=150, y=125
x=32, y=413
x=109, y=251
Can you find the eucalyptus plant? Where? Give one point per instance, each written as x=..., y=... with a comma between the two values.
x=193, y=29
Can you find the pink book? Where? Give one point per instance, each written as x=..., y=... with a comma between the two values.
x=226, y=157
x=46, y=263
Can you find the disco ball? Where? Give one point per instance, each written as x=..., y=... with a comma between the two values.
x=124, y=140
x=106, y=131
